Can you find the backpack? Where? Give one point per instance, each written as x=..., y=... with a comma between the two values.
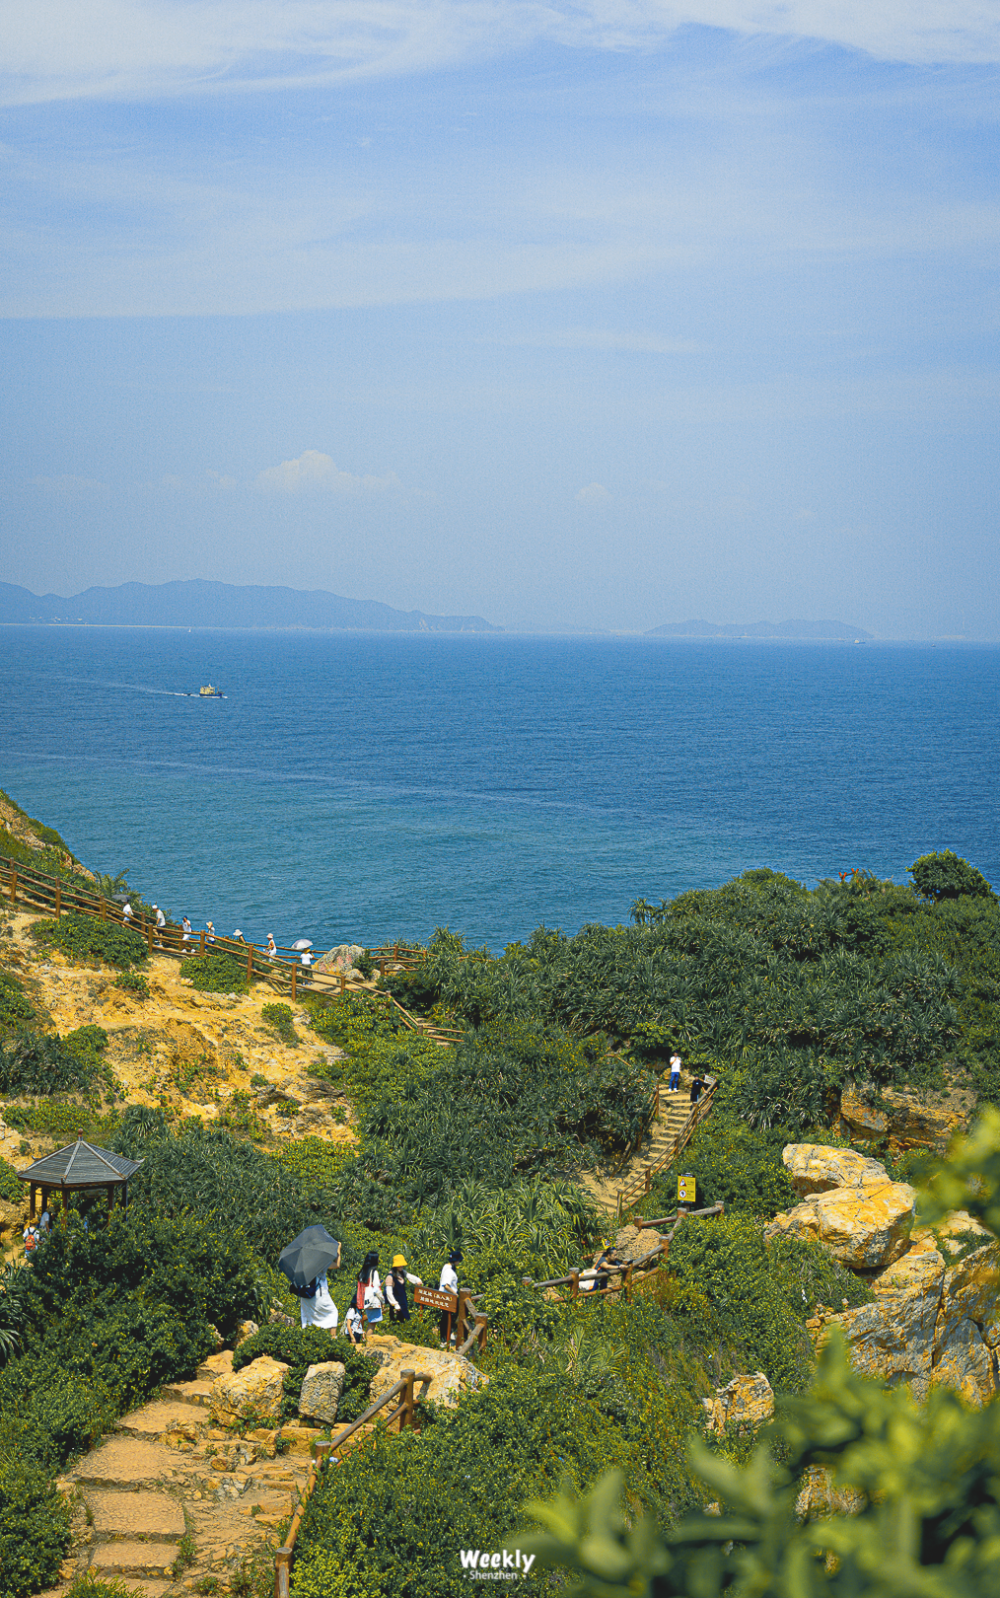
x=309, y=1291
x=31, y=1241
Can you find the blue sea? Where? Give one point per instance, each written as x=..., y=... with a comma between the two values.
x=373, y=786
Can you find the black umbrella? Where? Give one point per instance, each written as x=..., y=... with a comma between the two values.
x=308, y=1255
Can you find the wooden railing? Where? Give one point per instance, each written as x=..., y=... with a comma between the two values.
x=283, y=971
x=639, y=1187
x=327, y=1454
x=631, y=1273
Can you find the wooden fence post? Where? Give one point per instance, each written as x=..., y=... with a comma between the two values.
x=13, y=887
x=294, y=976
x=201, y=949
x=282, y=1572
x=343, y=984
x=249, y=964
x=58, y=900
x=627, y=1282
x=406, y=1418
x=574, y=1283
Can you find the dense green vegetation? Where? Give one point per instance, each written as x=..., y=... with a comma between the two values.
x=215, y=973
x=82, y=937
x=786, y=995
x=925, y=1521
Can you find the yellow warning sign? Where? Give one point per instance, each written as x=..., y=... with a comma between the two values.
x=686, y=1189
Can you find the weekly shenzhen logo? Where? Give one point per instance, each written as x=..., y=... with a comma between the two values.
x=480, y=1565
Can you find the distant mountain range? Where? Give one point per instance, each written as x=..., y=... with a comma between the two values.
x=204, y=604
x=760, y=629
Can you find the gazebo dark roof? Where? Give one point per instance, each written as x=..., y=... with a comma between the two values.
x=80, y=1164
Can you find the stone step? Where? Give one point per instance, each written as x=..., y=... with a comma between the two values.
x=152, y=1420
x=133, y=1559
x=127, y=1462
x=124, y=1515
x=220, y=1364
x=198, y=1392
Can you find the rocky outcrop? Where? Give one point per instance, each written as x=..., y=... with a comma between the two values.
x=253, y=1393
x=321, y=1391
x=746, y=1399
x=931, y=1324
x=814, y=1168
x=341, y=958
x=908, y=1119
x=451, y=1374
x=865, y=1228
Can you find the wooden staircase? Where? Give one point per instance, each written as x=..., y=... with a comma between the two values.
x=674, y=1124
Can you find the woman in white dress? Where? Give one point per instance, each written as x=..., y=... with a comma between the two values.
x=320, y=1310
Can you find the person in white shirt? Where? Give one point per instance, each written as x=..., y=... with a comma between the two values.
x=675, y=1074
x=449, y=1284
x=320, y=1310
x=354, y=1326
x=127, y=913
x=161, y=919
x=44, y=1220
x=272, y=948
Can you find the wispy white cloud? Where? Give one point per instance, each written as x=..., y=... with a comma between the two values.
x=594, y=494
x=132, y=48
x=313, y=470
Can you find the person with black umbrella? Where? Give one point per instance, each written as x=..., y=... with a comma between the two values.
x=305, y=1261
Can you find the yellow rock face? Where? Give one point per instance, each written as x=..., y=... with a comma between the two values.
x=256, y=1390
x=451, y=1373
x=814, y=1168
x=747, y=1399
x=863, y=1227
x=908, y=1120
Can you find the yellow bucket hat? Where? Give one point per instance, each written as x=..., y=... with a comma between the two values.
x=398, y=1259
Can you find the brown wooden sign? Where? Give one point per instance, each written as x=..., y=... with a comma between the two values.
x=432, y=1298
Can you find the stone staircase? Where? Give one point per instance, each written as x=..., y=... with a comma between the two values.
x=673, y=1113
x=174, y=1504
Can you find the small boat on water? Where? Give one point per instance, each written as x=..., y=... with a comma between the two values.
x=208, y=692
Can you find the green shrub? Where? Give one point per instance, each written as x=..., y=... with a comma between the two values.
x=16, y=1009
x=757, y=1298
x=10, y=1188
x=82, y=938
x=207, y=1171
x=34, y=1530
x=215, y=973
x=365, y=963
x=43, y=1063
x=300, y=1347
x=734, y=1164
x=393, y=1517
x=946, y=876
x=279, y=1016
x=90, y=1586
x=134, y=982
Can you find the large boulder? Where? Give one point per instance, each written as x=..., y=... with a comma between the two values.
x=814, y=1168
x=907, y=1119
x=255, y=1392
x=863, y=1227
x=341, y=958
x=747, y=1399
x=321, y=1391
x=931, y=1324
x=451, y=1374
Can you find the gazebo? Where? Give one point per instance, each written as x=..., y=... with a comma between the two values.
x=79, y=1167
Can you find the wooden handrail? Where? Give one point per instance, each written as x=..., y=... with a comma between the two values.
x=323, y=1455
x=644, y=1265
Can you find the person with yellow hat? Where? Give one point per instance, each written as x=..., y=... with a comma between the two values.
x=395, y=1289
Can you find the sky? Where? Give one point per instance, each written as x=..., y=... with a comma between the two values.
x=587, y=314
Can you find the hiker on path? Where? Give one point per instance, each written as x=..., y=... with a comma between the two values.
x=272, y=948
x=395, y=1289
x=186, y=929
x=127, y=913
x=368, y=1300
x=697, y=1087
x=318, y=1308
x=675, y=1074
x=354, y=1326
x=449, y=1284
x=30, y=1236
x=210, y=931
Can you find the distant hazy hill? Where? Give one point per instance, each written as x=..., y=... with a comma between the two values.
x=202, y=604
x=758, y=629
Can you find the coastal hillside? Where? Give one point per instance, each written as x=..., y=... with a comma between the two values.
x=206, y=604
x=799, y=1058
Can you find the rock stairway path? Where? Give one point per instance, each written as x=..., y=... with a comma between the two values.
x=172, y=1504
x=673, y=1113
